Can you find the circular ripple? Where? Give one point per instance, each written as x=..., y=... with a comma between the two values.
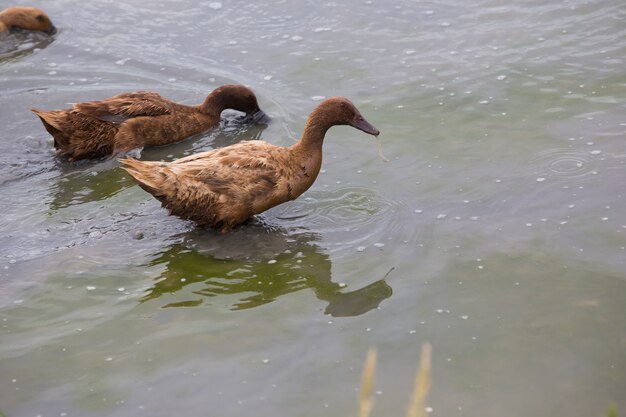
x=565, y=163
x=347, y=217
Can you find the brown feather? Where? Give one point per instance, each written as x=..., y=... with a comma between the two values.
x=126, y=106
x=29, y=18
x=131, y=120
x=224, y=187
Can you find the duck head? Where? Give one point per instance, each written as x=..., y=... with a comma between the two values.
x=340, y=111
x=29, y=18
x=236, y=97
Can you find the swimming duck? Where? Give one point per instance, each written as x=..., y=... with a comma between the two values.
x=30, y=18
x=224, y=187
x=131, y=120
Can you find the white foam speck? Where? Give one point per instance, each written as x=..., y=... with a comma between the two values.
x=267, y=77
x=500, y=77
x=296, y=38
x=379, y=245
x=90, y=288
x=360, y=249
x=595, y=152
x=441, y=216
x=272, y=261
x=215, y=5
x=541, y=179
x=321, y=29
x=318, y=98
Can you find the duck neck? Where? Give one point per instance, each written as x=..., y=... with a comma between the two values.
x=212, y=106
x=314, y=131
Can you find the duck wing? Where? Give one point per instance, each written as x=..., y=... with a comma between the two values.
x=222, y=187
x=249, y=170
x=126, y=106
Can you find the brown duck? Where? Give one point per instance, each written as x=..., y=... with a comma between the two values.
x=29, y=18
x=224, y=187
x=131, y=120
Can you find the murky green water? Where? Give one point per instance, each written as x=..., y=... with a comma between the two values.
x=497, y=231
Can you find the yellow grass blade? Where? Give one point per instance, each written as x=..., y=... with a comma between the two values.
x=366, y=402
x=422, y=385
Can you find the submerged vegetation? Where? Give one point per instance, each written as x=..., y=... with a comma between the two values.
x=416, y=407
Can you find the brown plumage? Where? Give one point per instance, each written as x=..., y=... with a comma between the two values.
x=224, y=187
x=29, y=18
x=131, y=120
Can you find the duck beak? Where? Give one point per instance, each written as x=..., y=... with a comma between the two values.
x=51, y=30
x=360, y=123
x=260, y=117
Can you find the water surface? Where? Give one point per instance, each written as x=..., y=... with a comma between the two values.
x=496, y=232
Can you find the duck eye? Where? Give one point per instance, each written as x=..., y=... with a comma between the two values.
x=41, y=18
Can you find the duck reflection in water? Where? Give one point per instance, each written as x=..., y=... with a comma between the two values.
x=258, y=264
x=86, y=181
x=17, y=45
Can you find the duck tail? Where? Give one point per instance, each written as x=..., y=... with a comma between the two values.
x=154, y=177
x=50, y=121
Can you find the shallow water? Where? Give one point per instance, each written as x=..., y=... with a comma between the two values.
x=496, y=232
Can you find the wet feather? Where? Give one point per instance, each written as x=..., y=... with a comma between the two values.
x=132, y=120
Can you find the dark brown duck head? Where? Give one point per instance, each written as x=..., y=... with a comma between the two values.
x=236, y=97
x=28, y=18
x=332, y=112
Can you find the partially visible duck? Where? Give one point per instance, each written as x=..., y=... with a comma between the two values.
x=29, y=18
x=224, y=187
x=131, y=120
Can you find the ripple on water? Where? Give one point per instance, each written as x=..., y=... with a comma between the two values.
x=349, y=217
x=565, y=163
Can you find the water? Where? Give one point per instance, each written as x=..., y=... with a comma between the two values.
x=496, y=232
